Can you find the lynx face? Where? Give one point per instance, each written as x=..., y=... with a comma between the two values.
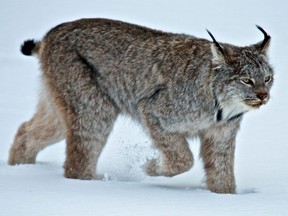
x=243, y=79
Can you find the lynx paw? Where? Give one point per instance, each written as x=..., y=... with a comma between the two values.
x=79, y=172
x=18, y=155
x=77, y=175
x=152, y=168
x=156, y=168
x=224, y=190
x=224, y=186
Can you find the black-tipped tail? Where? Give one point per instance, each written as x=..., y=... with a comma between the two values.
x=27, y=47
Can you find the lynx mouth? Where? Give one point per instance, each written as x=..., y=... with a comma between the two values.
x=255, y=104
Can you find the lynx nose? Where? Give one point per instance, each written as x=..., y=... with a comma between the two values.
x=263, y=96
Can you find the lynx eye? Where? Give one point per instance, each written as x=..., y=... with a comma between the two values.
x=247, y=81
x=267, y=79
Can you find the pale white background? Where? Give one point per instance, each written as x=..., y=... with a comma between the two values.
x=261, y=164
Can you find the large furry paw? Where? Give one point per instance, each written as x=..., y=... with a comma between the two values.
x=155, y=168
x=225, y=186
x=18, y=155
x=224, y=190
x=78, y=172
x=152, y=168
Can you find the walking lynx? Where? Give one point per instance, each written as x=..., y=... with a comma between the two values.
x=176, y=86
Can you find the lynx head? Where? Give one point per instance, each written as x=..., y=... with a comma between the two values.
x=243, y=76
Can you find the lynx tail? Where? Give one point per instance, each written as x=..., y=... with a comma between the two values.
x=30, y=47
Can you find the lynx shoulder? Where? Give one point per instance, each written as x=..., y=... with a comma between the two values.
x=174, y=85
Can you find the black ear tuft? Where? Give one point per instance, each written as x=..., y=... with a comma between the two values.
x=27, y=47
x=265, y=43
x=216, y=43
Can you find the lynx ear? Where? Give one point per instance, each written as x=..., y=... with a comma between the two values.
x=263, y=45
x=217, y=56
x=219, y=53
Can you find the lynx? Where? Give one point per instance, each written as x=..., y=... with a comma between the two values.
x=175, y=85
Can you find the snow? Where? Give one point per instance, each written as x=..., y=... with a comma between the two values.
x=261, y=165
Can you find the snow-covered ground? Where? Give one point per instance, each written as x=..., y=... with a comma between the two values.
x=262, y=147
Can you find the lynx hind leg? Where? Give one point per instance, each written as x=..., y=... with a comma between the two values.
x=42, y=130
x=87, y=137
x=88, y=113
x=175, y=155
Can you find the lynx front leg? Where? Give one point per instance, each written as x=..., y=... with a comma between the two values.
x=217, y=151
x=175, y=155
